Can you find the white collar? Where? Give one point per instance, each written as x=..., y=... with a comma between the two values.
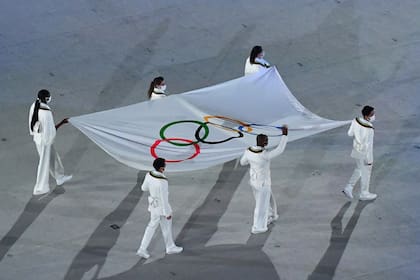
x=44, y=106
x=256, y=149
x=363, y=122
x=157, y=174
x=158, y=91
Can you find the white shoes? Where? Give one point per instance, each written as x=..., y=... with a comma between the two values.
x=143, y=253
x=368, y=196
x=64, y=179
x=272, y=219
x=256, y=231
x=174, y=250
x=348, y=193
x=41, y=193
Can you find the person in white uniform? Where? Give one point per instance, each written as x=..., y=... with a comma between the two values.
x=156, y=183
x=43, y=130
x=362, y=131
x=255, y=62
x=260, y=180
x=157, y=89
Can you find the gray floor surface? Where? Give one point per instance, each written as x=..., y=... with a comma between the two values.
x=93, y=55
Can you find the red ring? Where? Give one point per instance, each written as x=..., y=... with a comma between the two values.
x=157, y=142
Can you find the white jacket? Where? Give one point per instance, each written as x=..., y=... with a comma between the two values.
x=362, y=131
x=259, y=160
x=44, y=130
x=157, y=94
x=253, y=68
x=157, y=185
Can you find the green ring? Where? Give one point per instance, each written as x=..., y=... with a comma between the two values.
x=202, y=124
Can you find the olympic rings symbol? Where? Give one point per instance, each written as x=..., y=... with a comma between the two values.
x=238, y=127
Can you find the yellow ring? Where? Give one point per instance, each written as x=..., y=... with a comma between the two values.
x=207, y=118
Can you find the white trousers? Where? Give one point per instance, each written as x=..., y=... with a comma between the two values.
x=166, y=228
x=47, y=154
x=263, y=210
x=363, y=172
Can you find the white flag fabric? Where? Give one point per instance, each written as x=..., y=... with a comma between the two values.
x=204, y=127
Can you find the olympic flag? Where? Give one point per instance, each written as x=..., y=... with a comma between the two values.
x=204, y=127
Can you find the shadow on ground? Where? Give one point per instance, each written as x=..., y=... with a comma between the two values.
x=338, y=242
x=32, y=210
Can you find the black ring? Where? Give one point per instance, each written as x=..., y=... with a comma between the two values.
x=199, y=139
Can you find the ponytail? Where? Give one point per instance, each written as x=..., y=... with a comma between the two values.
x=150, y=91
x=256, y=50
x=35, y=114
x=42, y=95
x=156, y=81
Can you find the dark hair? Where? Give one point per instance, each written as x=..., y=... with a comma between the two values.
x=156, y=81
x=261, y=139
x=367, y=110
x=158, y=163
x=254, y=53
x=42, y=96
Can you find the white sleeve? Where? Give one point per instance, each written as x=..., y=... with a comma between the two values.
x=358, y=137
x=369, y=157
x=145, y=185
x=350, y=132
x=166, y=208
x=31, y=112
x=244, y=159
x=279, y=149
x=47, y=127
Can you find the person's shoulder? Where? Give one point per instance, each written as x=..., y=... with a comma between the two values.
x=157, y=175
x=363, y=123
x=44, y=107
x=255, y=149
x=248, y=61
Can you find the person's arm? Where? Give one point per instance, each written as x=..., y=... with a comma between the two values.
x=145, y=185
x=369, y=158
x=282, y=145
x=31, y=112
x=64, y=121
x=361, y=142
x=244, y=159
x=166, y=208
x=47, y=129
x=350, y=132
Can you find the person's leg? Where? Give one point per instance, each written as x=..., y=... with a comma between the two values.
x=57, y=171
x=272, y=210
x=365, y=182
x=265, y=205
x=256, y=209
x=261, y=210
x=42, y=179
x=149, y=232
x=348, y=190
x=166, y=227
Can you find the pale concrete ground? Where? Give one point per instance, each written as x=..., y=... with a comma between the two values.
x=97, y=54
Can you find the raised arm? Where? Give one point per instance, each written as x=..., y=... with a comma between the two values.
x=280, y=148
